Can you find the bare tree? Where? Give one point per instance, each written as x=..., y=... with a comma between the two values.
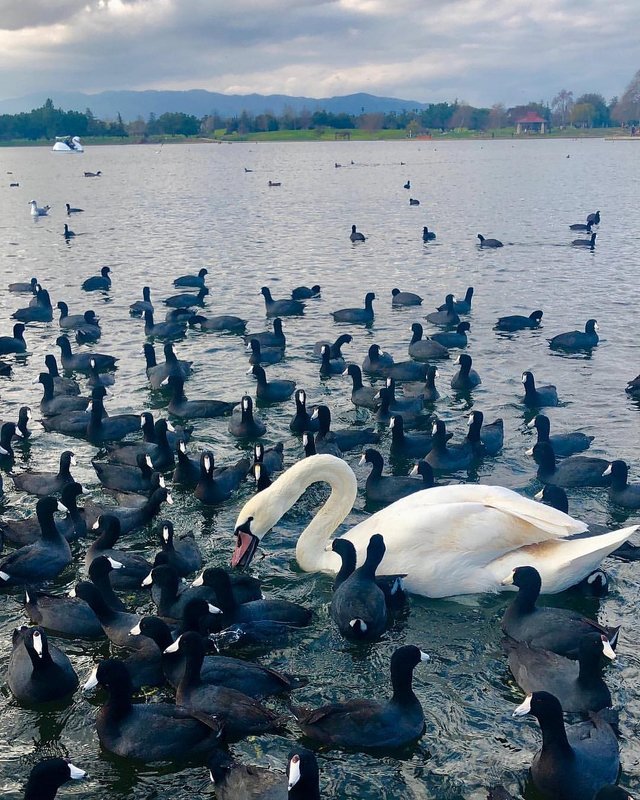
x=371, y=122
x=562, y=104
x=627, y=109
x=497, y=116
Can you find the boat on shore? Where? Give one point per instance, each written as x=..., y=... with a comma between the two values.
x=68, y=144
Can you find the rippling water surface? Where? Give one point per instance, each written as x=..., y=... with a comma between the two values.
x=156, y=214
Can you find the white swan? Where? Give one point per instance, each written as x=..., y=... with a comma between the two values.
x=448, y=540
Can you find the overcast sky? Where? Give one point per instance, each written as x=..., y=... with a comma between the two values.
x=481, y=51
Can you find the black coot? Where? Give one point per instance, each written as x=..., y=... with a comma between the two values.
x=358, y=605
x=575, y=761
x=557, y=629
x=367, y=724
x=38, y=672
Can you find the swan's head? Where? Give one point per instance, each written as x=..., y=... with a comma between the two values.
x=246, y=544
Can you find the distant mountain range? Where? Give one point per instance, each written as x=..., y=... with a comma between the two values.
x=130, y=105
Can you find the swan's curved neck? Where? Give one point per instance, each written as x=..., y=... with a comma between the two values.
x=270, y=505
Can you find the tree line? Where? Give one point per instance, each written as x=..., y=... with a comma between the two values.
x=589, y=110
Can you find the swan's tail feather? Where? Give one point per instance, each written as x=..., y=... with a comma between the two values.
x=564, y=563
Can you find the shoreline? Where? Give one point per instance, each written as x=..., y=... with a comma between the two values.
x=356, y=136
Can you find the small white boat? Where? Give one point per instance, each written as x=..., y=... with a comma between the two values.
x=68, y=144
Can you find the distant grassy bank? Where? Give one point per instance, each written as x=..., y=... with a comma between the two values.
x=332, y=134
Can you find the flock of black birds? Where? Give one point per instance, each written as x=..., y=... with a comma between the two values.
x=556, y=656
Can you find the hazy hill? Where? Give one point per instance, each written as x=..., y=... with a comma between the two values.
x=131, y=105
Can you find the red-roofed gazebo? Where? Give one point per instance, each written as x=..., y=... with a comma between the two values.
x=531, y=123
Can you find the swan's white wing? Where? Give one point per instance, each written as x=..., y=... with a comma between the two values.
x=489, y=519
x=554, y=522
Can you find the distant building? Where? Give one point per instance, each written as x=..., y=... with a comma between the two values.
x=531, y=123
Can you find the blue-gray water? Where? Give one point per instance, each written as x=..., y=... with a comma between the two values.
x=157, y=213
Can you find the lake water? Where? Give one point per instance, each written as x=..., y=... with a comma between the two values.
x=160, y=212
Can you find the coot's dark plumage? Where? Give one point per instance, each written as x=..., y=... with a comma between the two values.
x=187, y=299
x=377, y=362
x=361, y=395
x=578, y=685
x=461, y=306
x=358, y=315
x=275, y=391
x=233, y=781
x=15, y=343
x=272, y=609
x=97, y=282
x=620, y=491
x=81, y=362
x=399, y=298
x=158, y=373
x=590, y=242
x=217, y=485
x=330, y=366
x=301, y=421
x=491, y=435
x=163, y=330
x=538, y=396
x=457, y=338
x=135, y=567
x=577, y=340
x=575, y=761
x=181, y=552
x=356, y=236
x=138, y=308
x=48, y=775
x=425, y=349
x=345, y=439
x=148, y=731
x=38, y=672
x=415, y=445
x=387, y=489
x=62, y=616
x=264, y=355
x=280, y=308
x=42, y=560
x=179, y=406
x=275, y=338
x=358, y=605
x=517, y=322
x=192, y=280
x=489, y=242
x=131, y=518
x=62, y=386
x=571, y=471
x=366, y=724
x=52, y=404
x=305, y=292
x=427, y=235
x=564, y=444
x=43, y=483
x=466, y=378
x=443, y=456
x=125, y=478
x=244, y=424
x=221, y=322
x=557, y=629
x=239, y=714
x=448, y=316
x=335, y=348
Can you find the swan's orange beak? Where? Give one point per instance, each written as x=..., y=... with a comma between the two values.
x=246, y=545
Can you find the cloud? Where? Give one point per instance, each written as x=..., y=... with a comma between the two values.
x=483, y=51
